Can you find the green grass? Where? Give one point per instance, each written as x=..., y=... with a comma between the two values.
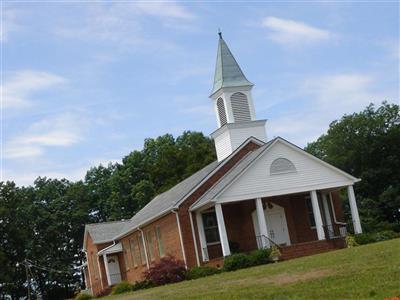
x=365, y=272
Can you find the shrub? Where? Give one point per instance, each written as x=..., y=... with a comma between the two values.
x=260, y=257
x=121, y=287
x=275, y=254
x=351, y=241
x=141, y=285
x=199, y=272
x=366, y=238
x=168, y=270
x=83, y=296
x=236, y=262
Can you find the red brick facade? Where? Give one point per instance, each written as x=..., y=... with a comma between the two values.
x=238, y=222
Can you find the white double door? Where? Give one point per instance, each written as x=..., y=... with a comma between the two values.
x=276, y=224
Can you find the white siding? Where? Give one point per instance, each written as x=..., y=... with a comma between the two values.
x=239, y=135
x=257, y=180
x=223, y=145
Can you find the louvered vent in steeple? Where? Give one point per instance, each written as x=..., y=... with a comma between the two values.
x=240, y=107
x=221, y=112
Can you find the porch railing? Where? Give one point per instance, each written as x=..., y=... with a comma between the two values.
x=265, y=240
x=335, y=231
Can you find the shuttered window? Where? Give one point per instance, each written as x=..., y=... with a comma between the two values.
x=150, y=243
x=240, y=107
x=282, y=165
x=221, y=111
x=134, y=252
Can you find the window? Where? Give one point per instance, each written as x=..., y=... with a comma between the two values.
x=310, y=212
x=142, y=252
x=159, y=242
x=240, y=107
x=210, y=226
x=125, y=250
x=281, y=166
x=134, y=252
x=150, y=243
x=221, y=111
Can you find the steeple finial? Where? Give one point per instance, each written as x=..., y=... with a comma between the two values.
x=220, y=33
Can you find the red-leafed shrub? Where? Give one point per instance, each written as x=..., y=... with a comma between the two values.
x=168, y=270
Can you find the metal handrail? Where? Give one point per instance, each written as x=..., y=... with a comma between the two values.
x=270, y=240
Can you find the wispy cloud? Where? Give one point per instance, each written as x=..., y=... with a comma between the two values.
x=20, y=87
x=124, y=23
x=329, y=98
x=8, y=23
x=291, y=33
x=62, y=130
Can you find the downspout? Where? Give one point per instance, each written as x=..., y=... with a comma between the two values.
x=180, y=236
x=145, y=248
x=194, y=239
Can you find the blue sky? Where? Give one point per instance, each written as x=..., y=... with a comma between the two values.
x=86, y=83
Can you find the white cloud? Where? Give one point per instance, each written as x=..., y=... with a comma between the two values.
x=123, y=23
x=289, y=32
x=163, y=9
x=329, y=98
x=8, y=23
x=61, y=130
x=19, y=87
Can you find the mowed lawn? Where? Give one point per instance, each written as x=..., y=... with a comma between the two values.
x=365, y=272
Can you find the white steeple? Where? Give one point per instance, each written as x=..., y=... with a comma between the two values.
x=233, y=105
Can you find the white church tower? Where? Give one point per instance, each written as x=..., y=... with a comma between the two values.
x=233, y=105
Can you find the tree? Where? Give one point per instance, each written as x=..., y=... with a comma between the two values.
x=367, y=145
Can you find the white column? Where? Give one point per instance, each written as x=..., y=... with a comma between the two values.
x=203, y=242
x=262, y=224
x=226, y=251
x=354, y=210
x=107, y=270
x=317, y=215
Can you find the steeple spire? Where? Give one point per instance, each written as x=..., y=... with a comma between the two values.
x=227, y=70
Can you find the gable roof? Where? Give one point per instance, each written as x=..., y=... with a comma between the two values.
x=166, y=201
x=212, y=194
x=227, y=70
x=103, y=232
x=230, y=176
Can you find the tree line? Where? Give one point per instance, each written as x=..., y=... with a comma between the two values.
x=44, y=222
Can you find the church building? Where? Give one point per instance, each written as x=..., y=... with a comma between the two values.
x=259, y=192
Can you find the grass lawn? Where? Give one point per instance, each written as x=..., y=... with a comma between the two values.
x=365, y=272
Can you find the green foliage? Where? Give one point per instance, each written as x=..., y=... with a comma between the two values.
x=350, y=241
x=122, y=287
x=198, y=272
x=236, y=262
x=83, y=296
x=141, y=285
x=45, y=222
x=366, y=145
x=367, y=238
x=260, y=256
x=275, y=253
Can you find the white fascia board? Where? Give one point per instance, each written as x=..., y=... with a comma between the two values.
x=232, y=89
x=220, y=165
x=294, y=190
x=227, y=126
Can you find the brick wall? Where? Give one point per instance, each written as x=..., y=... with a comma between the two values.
x=170, y=242
x=184, y=207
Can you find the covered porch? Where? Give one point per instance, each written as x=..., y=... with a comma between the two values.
x=299, y=224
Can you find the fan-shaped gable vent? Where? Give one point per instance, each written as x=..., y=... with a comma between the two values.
x=240, y=107
x=221, y=111
x=282, y=165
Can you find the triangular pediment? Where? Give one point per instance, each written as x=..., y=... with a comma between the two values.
x=283, y=168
